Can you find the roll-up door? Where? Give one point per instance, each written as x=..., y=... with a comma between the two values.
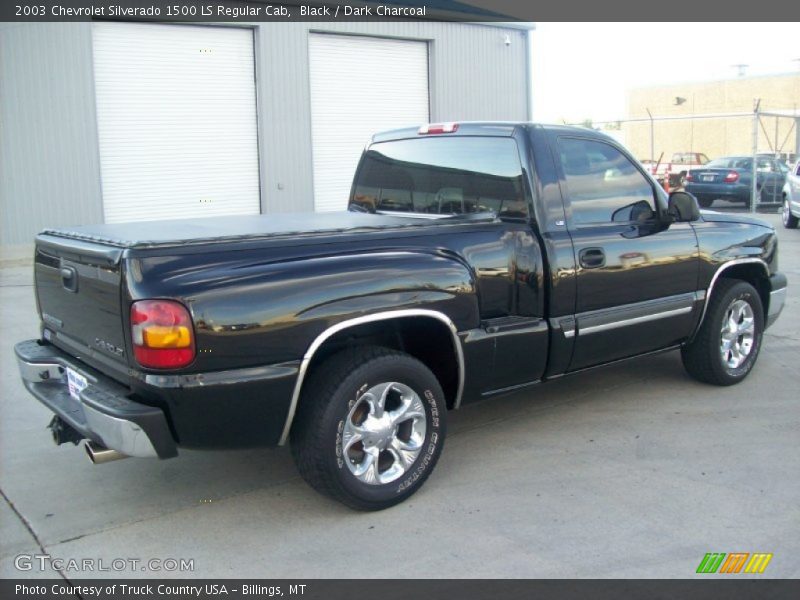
x=176, y=120
x=359, y=86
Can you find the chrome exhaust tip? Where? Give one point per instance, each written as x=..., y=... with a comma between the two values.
x=100, y=454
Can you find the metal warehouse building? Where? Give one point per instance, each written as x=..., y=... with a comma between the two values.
x=117, y=121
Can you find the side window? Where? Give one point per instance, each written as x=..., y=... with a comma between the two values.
x=603, y=185
x=765, y=165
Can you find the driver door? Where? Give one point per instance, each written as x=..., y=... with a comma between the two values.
x=636, y=279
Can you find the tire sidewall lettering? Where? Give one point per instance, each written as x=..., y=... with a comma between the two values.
x=423, y=461
x=426, y=458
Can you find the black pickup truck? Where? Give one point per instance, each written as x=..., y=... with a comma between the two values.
x=476, y=259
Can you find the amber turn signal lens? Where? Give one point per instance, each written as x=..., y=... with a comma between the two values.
x=157, y=336
x=162, y=334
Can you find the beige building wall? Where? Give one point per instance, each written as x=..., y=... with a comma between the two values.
x=714, y=137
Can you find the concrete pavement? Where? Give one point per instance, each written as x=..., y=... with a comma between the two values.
x=635, y=470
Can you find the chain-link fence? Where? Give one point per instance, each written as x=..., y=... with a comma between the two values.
x=727, y=160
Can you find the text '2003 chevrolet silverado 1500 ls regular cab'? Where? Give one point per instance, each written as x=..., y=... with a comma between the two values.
x=475, y=259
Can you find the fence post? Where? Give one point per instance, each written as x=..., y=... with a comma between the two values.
x=797, y=137
x=754, y=185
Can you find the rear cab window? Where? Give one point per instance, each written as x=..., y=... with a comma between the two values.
x=442, y=176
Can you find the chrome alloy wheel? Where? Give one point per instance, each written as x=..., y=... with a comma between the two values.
x=786, y=212
x=384, y=433
x=738, y=334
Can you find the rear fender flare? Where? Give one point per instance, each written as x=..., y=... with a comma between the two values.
x=380, y=316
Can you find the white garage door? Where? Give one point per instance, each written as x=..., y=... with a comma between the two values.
x=359, y=86
x=177, y=121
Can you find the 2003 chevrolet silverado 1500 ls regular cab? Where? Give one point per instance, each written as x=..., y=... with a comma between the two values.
x=475, y=259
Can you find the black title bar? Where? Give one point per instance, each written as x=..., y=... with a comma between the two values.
x=520, y=11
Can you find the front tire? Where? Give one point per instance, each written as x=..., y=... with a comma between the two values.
x=727, y=345
x=789, y=220
x=370, y=427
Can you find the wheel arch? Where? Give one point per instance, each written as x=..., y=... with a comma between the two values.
x=397, y=329
x=752, y=270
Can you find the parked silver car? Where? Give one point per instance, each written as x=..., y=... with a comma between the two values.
x=791, y=198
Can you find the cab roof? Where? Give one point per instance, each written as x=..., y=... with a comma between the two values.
x=477, y=128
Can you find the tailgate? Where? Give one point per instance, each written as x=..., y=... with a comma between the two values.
x=79, y=297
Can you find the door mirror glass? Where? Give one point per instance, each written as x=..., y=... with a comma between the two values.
x=637, y=212
x=683, y=207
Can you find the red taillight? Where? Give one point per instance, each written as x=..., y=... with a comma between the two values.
x=731, y=177
x=689, y=177
x=162, y=333
x=438, y=128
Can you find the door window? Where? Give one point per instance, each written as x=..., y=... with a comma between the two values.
x=603, y=185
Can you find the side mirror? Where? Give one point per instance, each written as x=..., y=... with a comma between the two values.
x=640, y=212
x=683, y=207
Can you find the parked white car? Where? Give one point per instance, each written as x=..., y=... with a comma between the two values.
x=791, y=197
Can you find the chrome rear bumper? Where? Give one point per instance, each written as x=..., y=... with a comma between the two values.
x=102, y=412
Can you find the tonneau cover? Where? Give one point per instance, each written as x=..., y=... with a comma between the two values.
x=151, y=234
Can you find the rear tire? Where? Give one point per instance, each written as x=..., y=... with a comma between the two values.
x=727, y=345
x=789, y=220
x=370, y=427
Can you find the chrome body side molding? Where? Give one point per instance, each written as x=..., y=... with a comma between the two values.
x=624, y=315
x=634, y=320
